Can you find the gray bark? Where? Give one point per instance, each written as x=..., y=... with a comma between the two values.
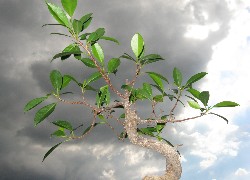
x=173, y=164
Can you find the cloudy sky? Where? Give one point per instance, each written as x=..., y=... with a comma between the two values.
x=193, y=35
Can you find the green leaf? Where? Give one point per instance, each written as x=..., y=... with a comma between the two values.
x=88, y=62
x=84, y=36
x=63, y=54
x=113, y=65
x=58, y=133
x=157, y=78
x=143, y=93
x=73, y=79
x=158, y=98
x=147, y=131
x=66, y=81
x=94, y=36
x=93, y=77
x=204, y=97
x=88, y=128
x=50, y=150
x=122, y=116
x=127, y=87
x=69, y=6
x=86, y=20
x=63, y=124
x=226, y=104
x=44, y=112
x=220, y=116
x=98, y=52
x=160, y=127
x=194, y=92
x=58, y=14
x=194, y=104
x=110, y=39
x=148, y=89
x=137, y=44
x=177, y=77
x=33, y=103
x=77, y=26
x=126, y=56
x=195, y=78
x=103, y=96
x=56, y=80
x=151, y=58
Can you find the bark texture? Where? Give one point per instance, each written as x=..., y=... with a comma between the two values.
x=173, y=164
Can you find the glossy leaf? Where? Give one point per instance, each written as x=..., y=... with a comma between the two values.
x=195, y=78
x=158, y=98
x=113, y=64
x=126, y=56
x=226, y=104
x=86, y=20
x=98, y=52
x=103, y=96
x=157, y=78
x=63, y=124
x=93, y=77
x=142, y=93
x=77, y=26
x=58, y=14
x=63, y=54
x=147, y=131
x=84, y=36
x=177, y=77
x=204, y=97
x=66, y=81
x=220, y=116
x=58, y=133
x=147, y=87
x=160, y=127
x=43, y=113
x=69, y=6
x=109, y=39
x=96, y=35
x=56, y=80
x=137, y=44
x=73, y=79
x=34, y=102
x=51, y=150
x=194, y=92
x=151, y=58
x=194, y=105
x=88, y=62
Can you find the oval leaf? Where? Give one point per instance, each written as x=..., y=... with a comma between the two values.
x=194, y=92
x=177, y=77
x=77, y=26
x=50, y=150
x=204, y=97
x=151, y=58
x=88, y=62
x=113, y=65
x=194, y=104
x=69, y=6
x=66, y=81
x=56, y=80
x=43, y=113
x=195, y=78
x=93, y=77
x=137, y=45
x=147, y=87
x=226, y=104
x=58, y=133
x=63, y=124
x=58, y=14
x=98, y=52
x=33, y=103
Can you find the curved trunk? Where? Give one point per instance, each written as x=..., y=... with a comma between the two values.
x=173, y=164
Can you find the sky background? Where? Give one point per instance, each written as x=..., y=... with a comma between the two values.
x=193, y=35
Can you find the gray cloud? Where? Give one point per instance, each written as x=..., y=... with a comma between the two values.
x=26, y=49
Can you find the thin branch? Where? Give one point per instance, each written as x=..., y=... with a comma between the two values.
x=104, y=75
x=175, y=105
x=166, y=120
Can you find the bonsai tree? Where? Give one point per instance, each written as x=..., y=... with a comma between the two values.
x=86, y=48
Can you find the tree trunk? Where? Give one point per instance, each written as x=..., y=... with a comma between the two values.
x=173, y=164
